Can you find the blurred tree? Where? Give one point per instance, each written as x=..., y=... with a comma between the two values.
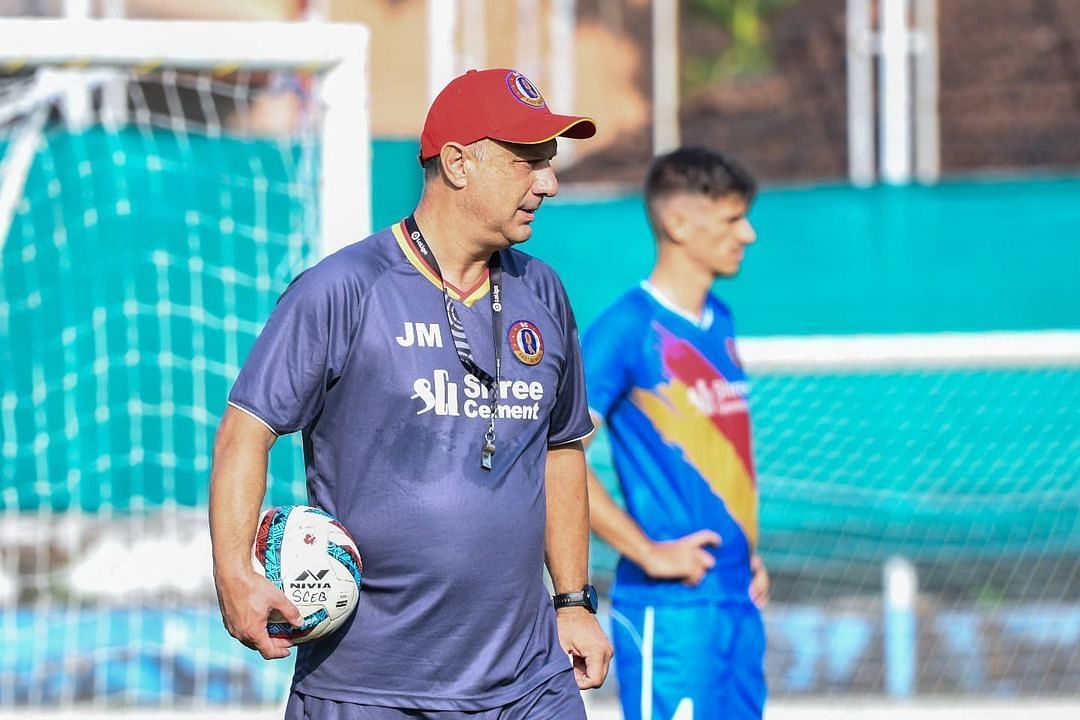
x=747, y=53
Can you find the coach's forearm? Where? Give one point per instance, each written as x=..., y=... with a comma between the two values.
x=237, y=487
x=567, y=538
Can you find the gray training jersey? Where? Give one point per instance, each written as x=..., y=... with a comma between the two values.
x=358, y=355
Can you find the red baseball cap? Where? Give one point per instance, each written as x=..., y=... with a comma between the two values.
x=500, y=104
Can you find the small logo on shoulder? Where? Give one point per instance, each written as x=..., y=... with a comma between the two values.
x=733, y=352
x=526, y=342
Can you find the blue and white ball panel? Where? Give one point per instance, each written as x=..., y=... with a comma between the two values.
x=310, y=557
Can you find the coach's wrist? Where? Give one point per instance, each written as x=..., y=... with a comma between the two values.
x=232, y=567
x=586, y=598
x=569, y=611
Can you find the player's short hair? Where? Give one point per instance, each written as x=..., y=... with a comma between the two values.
x=696, y=171
x=431, y=168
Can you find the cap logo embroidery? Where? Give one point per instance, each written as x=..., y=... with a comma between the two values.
x=523, y=90
x=526, y=342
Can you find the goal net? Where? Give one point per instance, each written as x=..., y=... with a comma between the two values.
x=920, y=507
x=161, y=184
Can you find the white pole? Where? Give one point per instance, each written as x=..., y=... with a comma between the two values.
x=474, y=36
x=927, y=122
x=561, y=66
x=860, y=94
x=181, y=44
x=901, y=590
x=15, y=166
x=346, y=146
x=894, y=94
x=528, y=40
x=114, y=106
x=76, y=105
x=442, y=30
x=665, y=66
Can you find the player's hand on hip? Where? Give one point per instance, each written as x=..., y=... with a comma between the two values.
x=589, y=649
x=248, y=601
x=685, y=559
x=759, y=581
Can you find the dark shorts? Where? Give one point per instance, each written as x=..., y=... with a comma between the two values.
x=557, y=698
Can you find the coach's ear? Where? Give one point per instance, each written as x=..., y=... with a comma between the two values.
x=452, y=158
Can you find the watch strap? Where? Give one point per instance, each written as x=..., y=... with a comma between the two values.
x=586, y=598
x=570, y=599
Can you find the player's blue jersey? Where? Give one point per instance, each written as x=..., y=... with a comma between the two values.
x=675, y=400
x=358, y=355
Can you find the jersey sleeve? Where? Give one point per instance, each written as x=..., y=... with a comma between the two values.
x=608, y=358
x=300, y=352
x=570, y=419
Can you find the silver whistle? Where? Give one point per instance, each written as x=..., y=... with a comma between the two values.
x=486, y=455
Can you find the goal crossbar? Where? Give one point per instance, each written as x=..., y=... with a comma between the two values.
x=826, y=353
x=180, y=44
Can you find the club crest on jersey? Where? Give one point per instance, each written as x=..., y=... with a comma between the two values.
x=526, y=342
x=732, y=352
x=523, y=90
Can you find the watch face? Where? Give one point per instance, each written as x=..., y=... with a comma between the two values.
x=591, y=598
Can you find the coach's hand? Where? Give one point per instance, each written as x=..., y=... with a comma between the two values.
x=589, y=649
x=247, y=600
x=685, y=559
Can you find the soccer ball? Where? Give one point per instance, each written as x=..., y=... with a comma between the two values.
x=311, y=558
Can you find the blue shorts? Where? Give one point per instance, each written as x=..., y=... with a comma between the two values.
x=557, y=698
x=683, y=662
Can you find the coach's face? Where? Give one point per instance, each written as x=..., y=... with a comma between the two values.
x=508, y=183
x=715, y=232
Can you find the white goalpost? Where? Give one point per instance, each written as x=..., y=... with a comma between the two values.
x=1045, y=348
x=338, y=52
x=161, y=184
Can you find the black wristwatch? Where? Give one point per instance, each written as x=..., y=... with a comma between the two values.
x=586, y=598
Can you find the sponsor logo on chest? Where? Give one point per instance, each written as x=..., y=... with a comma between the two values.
x=718, y=396
x=518, y=399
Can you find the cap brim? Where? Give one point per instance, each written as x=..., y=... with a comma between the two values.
x=547, y=127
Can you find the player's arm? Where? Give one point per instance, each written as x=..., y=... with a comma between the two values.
x=237, y=486
x=759, y=581
x=684, y=559
x=567, y=551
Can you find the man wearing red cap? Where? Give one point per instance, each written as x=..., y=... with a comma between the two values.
x=435, y=373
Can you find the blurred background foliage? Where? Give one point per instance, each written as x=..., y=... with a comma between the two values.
x=747, y=52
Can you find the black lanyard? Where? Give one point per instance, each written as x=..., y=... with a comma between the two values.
x=457, y=331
